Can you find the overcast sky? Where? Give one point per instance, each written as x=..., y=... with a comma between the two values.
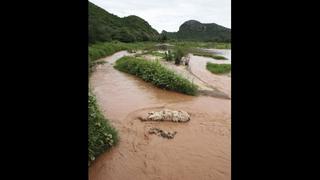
x=170, y=14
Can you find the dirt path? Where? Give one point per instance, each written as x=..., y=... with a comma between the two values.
x=200, y=150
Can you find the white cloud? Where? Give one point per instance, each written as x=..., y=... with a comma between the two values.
x=170, y=14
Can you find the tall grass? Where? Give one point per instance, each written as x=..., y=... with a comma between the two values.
x=102, y=135
x=156, y=74
x=218, y=68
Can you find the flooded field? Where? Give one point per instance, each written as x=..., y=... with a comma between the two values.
x=201, y=148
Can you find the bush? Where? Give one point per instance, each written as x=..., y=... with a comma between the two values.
x=156, y=74
x=102, y=135
x=178, y=55
x=218, y=68
x=163, y=38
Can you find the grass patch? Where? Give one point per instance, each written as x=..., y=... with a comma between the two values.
x=156, y=74
x=199, y=52
x=102, y=135
x=206, y=54
x=194, y=44
x=218, y=68
x=100, y=50
x=218, y=57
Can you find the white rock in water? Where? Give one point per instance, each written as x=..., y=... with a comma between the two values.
x=168, y=115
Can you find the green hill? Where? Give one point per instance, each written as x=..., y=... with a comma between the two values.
x=194, y=30
x=104, y=26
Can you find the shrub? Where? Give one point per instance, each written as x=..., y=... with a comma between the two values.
x=218, y=68
x=102, y=135
x=178, y=55
x=156, y=74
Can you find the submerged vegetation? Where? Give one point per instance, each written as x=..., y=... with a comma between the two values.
x=218, y=68
x=156, y=74
x=102, y=135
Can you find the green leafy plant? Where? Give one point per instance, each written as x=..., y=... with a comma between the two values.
x=102, y=136
x=156, y=74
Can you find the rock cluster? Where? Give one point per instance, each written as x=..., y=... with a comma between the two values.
x=167, y=115
x=162, y=133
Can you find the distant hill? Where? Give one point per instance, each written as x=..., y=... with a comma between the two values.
x=104, y=26
x=194, y=30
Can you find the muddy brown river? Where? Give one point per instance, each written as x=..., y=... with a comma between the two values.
x=201, y=148
x=197, y=66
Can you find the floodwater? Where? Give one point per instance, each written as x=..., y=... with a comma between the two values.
x=223, y=52
x=197, y=66
x=201, y=148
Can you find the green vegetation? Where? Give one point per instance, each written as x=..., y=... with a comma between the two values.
x=196, y=31
x=100, y=50
x=102, y=135
x=210, y=55
x=168, y=56
x=218, y=68
x=199, y=52
x=178, y=54
x=218, y=57
x=105, y=27
x=156, y=74
x=163, y=37
x=197, y=44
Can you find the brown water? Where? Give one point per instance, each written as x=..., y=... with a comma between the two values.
x=200, y=150
x=197, y=66
x=223, y=52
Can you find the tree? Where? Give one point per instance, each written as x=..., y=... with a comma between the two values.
x=163, y=38
x=124, y=35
